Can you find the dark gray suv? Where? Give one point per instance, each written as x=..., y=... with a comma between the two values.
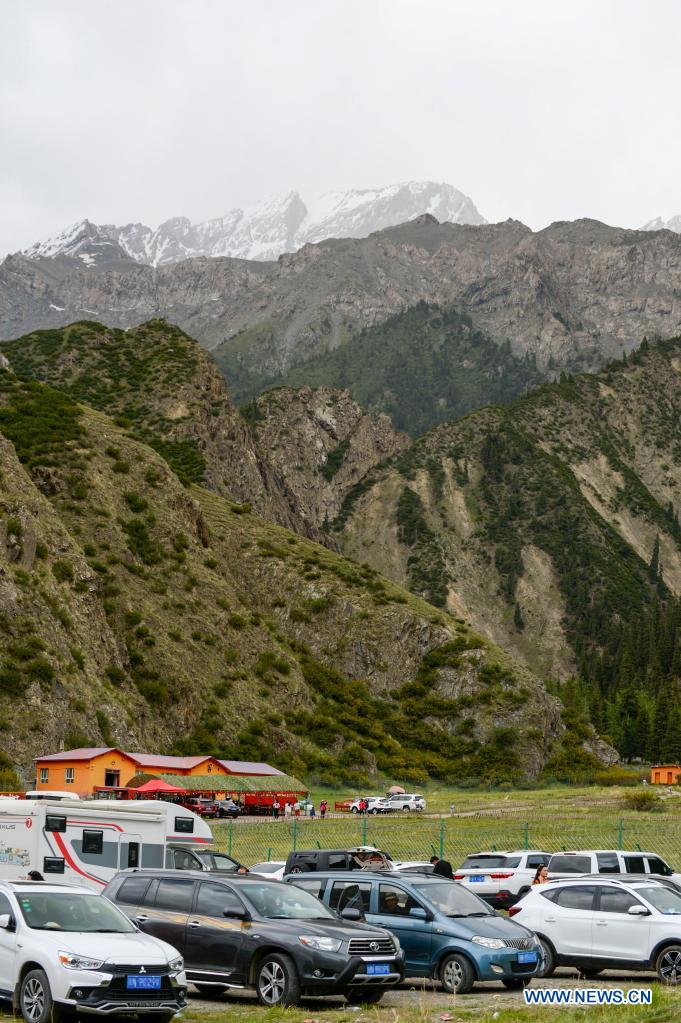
x=244, y=931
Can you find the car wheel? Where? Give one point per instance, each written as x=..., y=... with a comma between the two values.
x=208, y=990
x=373, y=811
x=668, y=965
x=548, y=964
x=35, y=998
x=456, y=975
x=406, y=809
x=516, y=983
x=365, y=995
x=276, y=981
x=298, y=869
x=355, y=810
x=588, y=972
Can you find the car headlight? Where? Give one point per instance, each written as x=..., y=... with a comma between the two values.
x=74, y=962
x=396, y=942
x=480, y=939
x=322, y=944
x=176, y=965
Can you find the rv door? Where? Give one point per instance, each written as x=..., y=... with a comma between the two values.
x=131, y=851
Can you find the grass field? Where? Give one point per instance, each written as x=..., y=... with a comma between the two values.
x=554, y=818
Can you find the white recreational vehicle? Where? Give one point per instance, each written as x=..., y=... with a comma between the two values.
x=89, y=840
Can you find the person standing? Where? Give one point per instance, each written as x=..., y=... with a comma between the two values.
x=276, y=806
x=322, y=808
x=443, y=868
x=312, y=811
x=287, y=810
x=542, y=875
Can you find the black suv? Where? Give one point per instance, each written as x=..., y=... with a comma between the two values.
x=247, y=932
x=362, y=857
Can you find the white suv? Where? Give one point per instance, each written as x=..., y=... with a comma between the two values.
x=608, y=861
x=501, y=878
x=377, y=804
x=406, y=801
x=598, y=923
x=65, y=948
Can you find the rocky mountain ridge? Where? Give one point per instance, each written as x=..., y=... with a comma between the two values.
x=281, y=224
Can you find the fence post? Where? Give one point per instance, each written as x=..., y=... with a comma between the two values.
x=526, y=838
x=364, y=829
x=269, y=854
x=229, y=836
x=620, y=829
x=442, y=838
x=295, y=832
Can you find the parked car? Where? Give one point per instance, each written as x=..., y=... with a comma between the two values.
x=414, y=866
x=362, y=857
x=668, y=882
x=201, y=859
x=604, y=923
x=377, y=804
x=273, y=870
x=227, y=808
x=248, y=932
x=203, y=807
x=63, y=949
x=609, y=861
x=446, y=931
x=406, y=802
x=501, y=878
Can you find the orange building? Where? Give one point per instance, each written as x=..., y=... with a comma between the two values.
x=664, y=774
x=83, y=770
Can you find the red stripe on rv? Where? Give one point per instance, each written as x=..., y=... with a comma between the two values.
x=74, y=866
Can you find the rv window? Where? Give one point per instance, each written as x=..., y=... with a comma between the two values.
x=133, y=891
x=53, y=865
x=185, y=824
x=93, y=841
x=133, y=854
x=55, y=823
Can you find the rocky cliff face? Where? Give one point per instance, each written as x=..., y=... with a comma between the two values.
x=571, y=295
x=551, y=525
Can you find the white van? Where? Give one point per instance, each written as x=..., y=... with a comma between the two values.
x=90, y=840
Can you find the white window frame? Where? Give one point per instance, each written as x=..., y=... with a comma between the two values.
x=44, y=775
x=69, y=775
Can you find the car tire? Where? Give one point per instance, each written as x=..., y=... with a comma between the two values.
x=35, y=998
x=588, y=972
x=299, y=869
x=277, y=981
x=456, y=974
x=208, y=990
x=374, y=812
x=668, y=965
x=365, y=995
x=354, y=809
x=549, y=962
x=515, y=983
x=406, y=809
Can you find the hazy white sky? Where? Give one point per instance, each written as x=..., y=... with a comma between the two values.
x=125, y=110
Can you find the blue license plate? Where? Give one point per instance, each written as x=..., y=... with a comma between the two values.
x=375, y=968
x=527, y=957
x=143, y=983
x=476, y=877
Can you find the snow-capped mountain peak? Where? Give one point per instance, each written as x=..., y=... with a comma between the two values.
x=658, y=224
x=282, y=223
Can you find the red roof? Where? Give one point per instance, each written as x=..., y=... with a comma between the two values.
x=157, y=785
x=83, y=753
x=151, y=760
x=246, y=767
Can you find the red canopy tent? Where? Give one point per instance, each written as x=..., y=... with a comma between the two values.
x=156, y=785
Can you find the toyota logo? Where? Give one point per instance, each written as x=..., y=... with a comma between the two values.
x=374, y=946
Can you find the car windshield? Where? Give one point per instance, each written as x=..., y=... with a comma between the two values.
x=285, y=902
x=664, y=899
x=62, y=911
x=453, y=899
x=216, y=861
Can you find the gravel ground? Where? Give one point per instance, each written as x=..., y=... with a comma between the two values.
x=430, y=997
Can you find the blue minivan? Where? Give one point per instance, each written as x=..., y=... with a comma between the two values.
x=446, y=931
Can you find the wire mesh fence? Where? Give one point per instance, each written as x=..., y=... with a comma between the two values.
x=453, y=838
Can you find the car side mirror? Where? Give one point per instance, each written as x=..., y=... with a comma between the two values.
x=6, y=922
x=418, y=912
x=638, y=911
x=237, y=914
x=351, y=913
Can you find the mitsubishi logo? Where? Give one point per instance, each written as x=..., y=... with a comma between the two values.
x=374, y=946
x=142, y=970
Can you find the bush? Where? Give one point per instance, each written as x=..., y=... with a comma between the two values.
x=643, y=800
x=62, y=572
